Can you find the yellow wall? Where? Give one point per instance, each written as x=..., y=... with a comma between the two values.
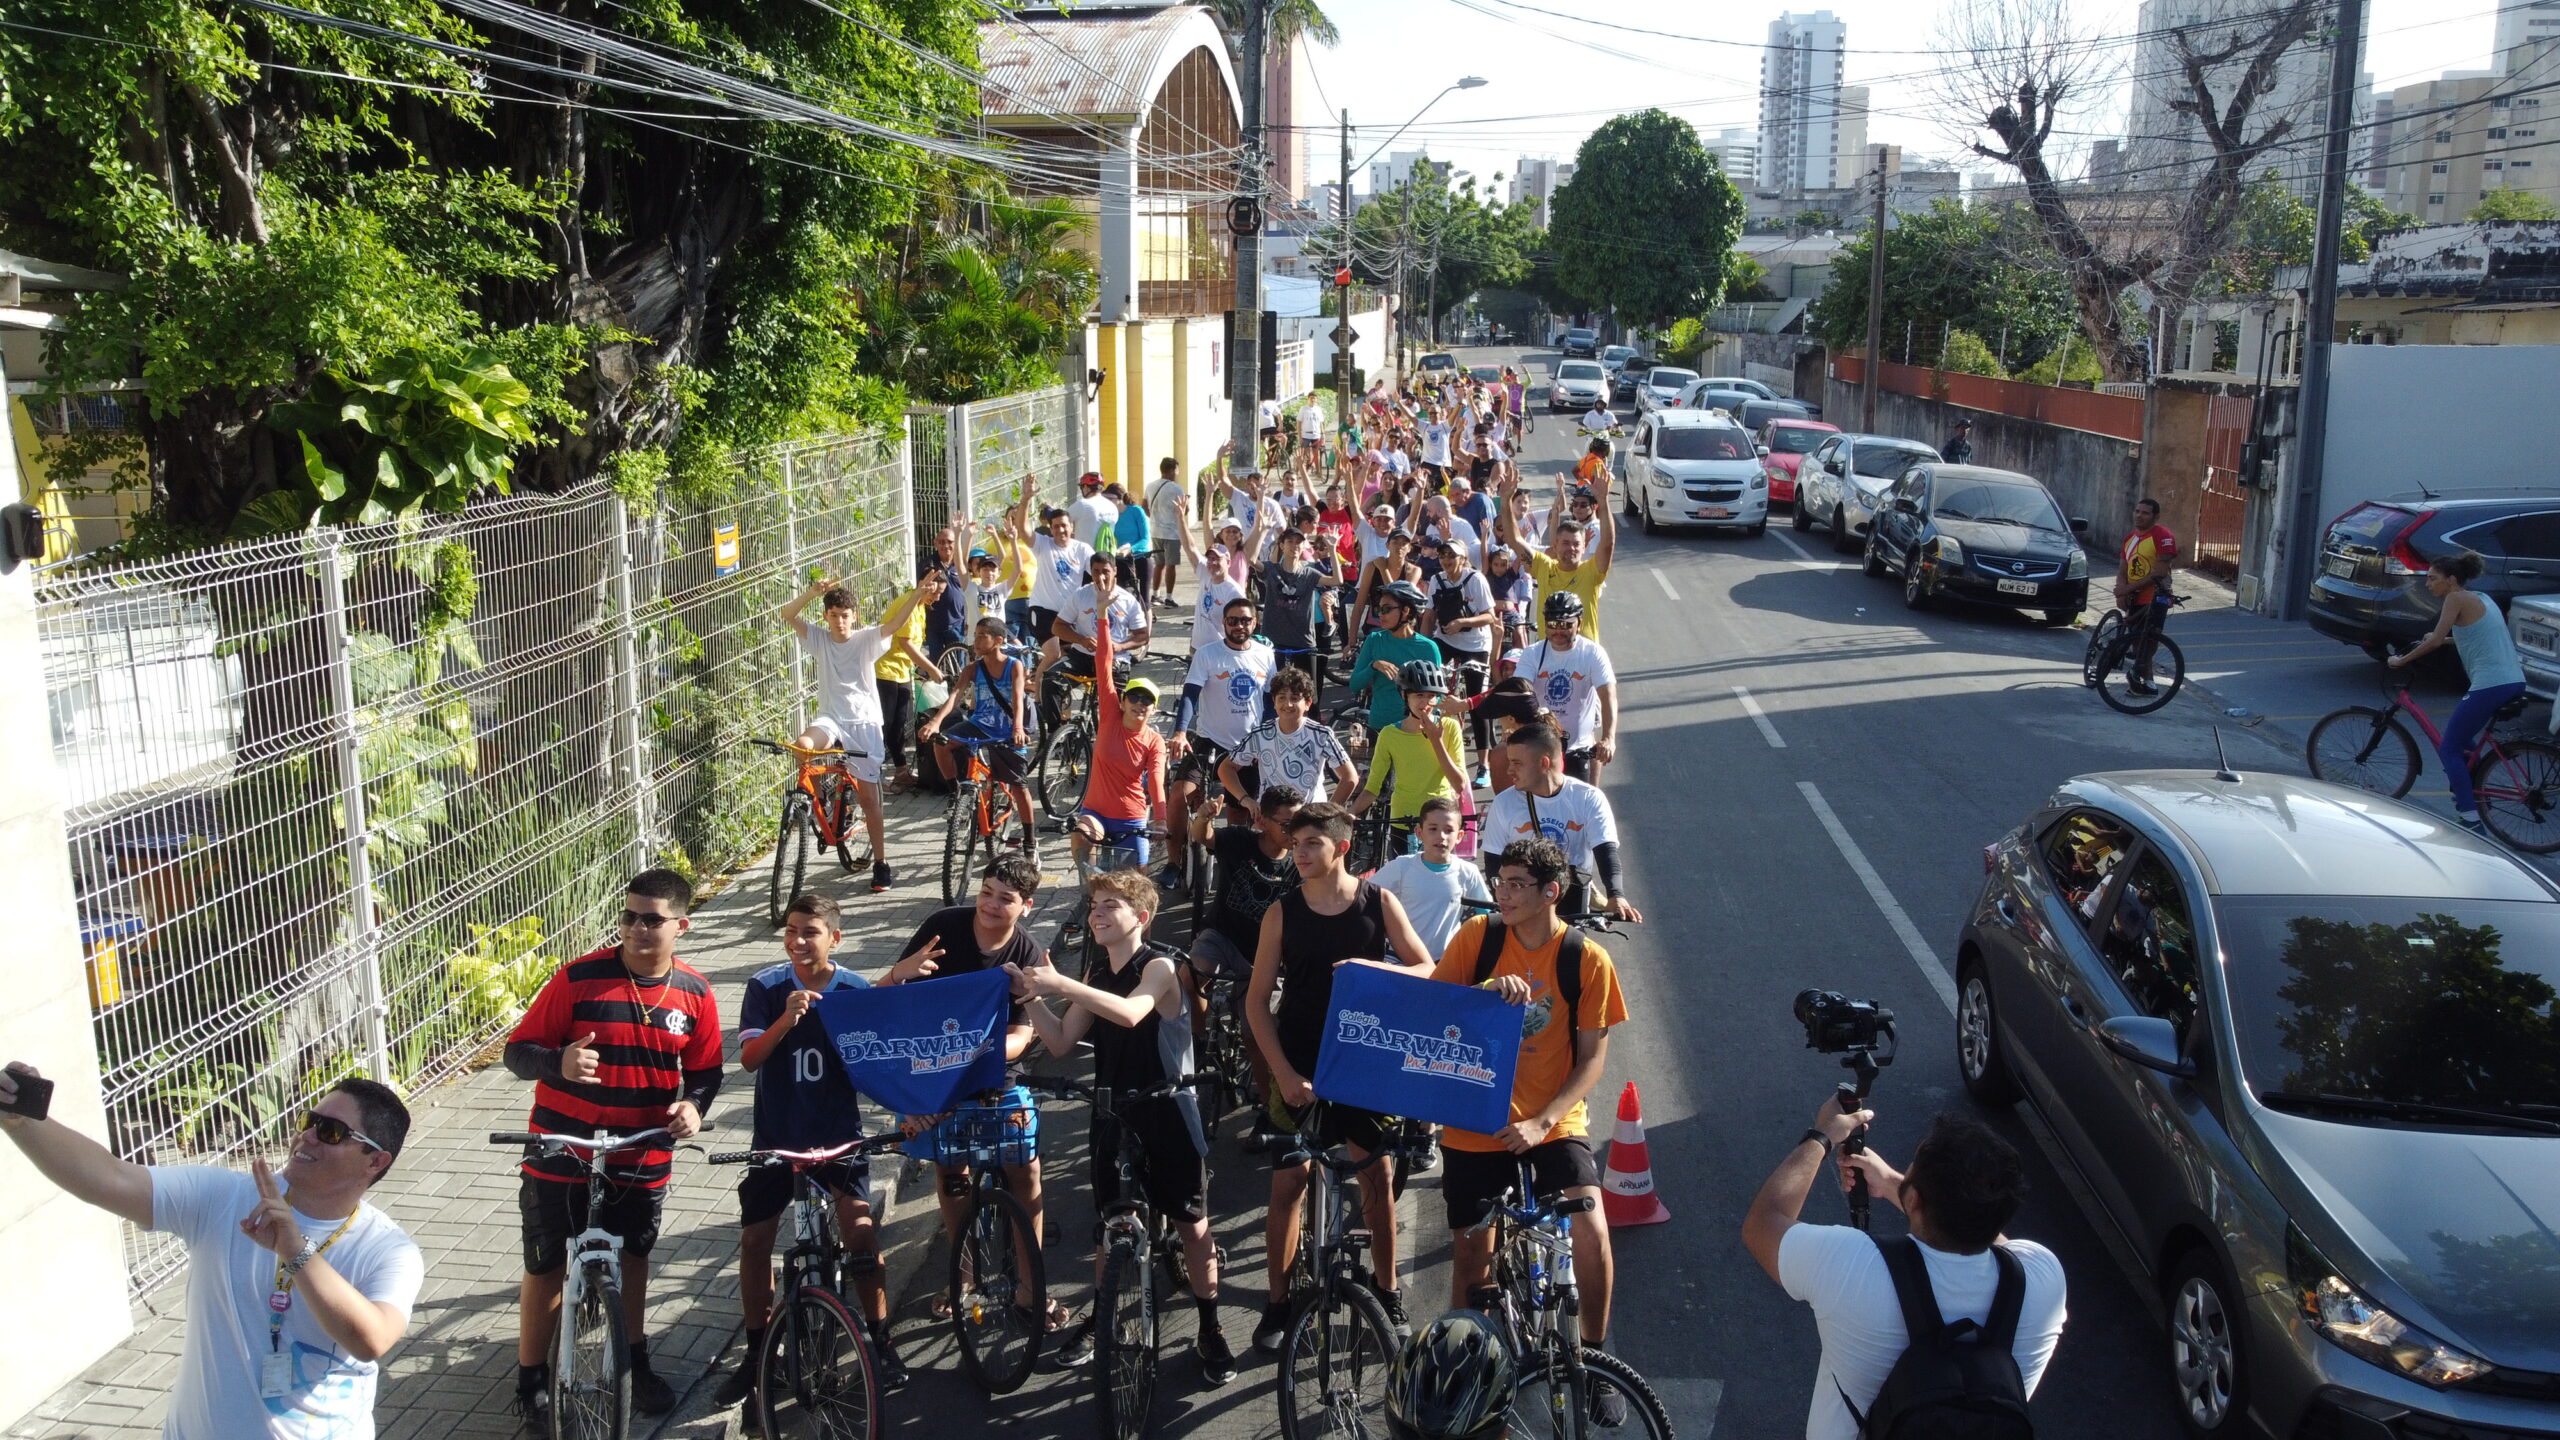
x=1108, y=403
x=80, y=514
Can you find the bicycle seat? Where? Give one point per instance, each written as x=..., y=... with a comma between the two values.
x=2513, y=708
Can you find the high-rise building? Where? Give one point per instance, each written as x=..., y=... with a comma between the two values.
x=2522, y=25
x=1535, y=179
x=1397, y=168
x=2454, y=139
x=1800, y=120
x=2165, y=148
x=1737, y=153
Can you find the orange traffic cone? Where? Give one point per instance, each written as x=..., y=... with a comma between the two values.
x=1626, y=1192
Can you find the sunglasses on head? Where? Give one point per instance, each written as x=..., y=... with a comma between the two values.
x=330, y=1130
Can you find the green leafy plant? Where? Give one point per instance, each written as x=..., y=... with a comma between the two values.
x=421, y=431
x=1966, y=354
x=496, y=977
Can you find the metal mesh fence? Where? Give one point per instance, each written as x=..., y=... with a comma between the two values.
x=340, y=803
x=1009, y=438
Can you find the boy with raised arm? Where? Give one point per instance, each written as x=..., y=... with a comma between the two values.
x=849, y=719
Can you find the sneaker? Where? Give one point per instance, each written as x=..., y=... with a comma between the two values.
x=892, y=1370
x=2141, y=687
x=534, y=1407
x=882, y=877
x=2475, y=825
x=1075, y=1343
x=1217, y=1359
x=1608, y=1404
x=650, y=1392
x=1392, y=1301
x=1428, y=1160
x=1273, y=1328
x=736, y=1386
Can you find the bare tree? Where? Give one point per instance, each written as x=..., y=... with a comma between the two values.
x=2028, y=63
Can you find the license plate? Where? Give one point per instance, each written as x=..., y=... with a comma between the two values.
x=2018, y=587
x=1714, y=512
x=2534, y=637
x=2342, y=567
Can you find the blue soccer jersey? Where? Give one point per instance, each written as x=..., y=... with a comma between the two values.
x=803, y=1100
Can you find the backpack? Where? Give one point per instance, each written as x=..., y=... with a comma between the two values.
x=1568, y=963
x=1955, y=1382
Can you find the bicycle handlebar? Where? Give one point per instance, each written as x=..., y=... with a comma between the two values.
x=867, y=1145
x=638, y=1139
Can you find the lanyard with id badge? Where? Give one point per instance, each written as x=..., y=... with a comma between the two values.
x=275, y=1368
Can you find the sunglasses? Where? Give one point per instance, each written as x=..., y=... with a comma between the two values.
x=632, y=919
x=330, y=1130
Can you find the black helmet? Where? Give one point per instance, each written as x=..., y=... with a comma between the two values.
x=1560, y=606
x=1454, y=1382
x=1403, y=592
x=1429, y=676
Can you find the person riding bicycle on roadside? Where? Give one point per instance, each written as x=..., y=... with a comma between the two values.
x=1570, y=673
x=2479, y=634
x=1225, y=695
x=1601, y=420
x=849, y=716
x=803, y=1101
x=1397, y=566
x=994, y=687
x=1377, y=670
x=1563, y=565
x=1521, y=953
x=1135, y=987
x=1432, y=880
x=1124, y=793
x=1292, y=594
x=1290, y=749
x=1546, y=803
x=1424, y=752
x=2142, y=587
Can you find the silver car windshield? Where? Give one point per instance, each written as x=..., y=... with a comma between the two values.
x=2395, y=1002
x=1577, y=370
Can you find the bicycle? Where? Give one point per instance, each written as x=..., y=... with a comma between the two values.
x=2110, y=666
x=1065, y=760
x=999, y=1289
x=980, y=810
x=816, y=1374
x=1336, y=1353
x=1536, y=1303
x=819, y=806
x=2515, y=778
x=591, y=1356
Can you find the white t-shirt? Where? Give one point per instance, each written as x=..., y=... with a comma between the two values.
x=1476, y=598
x=1311, y=423
x=1430, y=895
x=1568, y=682
x=1577, y=818
x=1232, y=683
x=1598, y=417
x=1398, y=462
x=1458, y=528
x=1092, y=515
x=1056, y=571
x=1270, y=414
x=1840, y=1273
x=1310, y=757
x=1373, y=544
x=848, y=687
x=230, y=1276
x=1435, y=444
x=1209, y=612
x=1128, y=617
x=1164, y=511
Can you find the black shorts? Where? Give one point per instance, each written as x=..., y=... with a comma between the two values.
x=1199, y=765
x=1438, y=475
x=1043, y=624
x=1364, y=1130
x=765, y=1191
x=1577, y=764
x=554, y=1210
x=1472, y=1182
x=1173, y=1174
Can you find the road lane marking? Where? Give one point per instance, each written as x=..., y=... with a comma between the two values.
x=1932, y=969
x=1804, y=559
x=1751, y=707
x=1665, y=582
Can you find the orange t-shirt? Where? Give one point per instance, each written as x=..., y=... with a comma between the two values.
x=1546, y=1045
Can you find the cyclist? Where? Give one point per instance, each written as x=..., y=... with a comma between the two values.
x=1517, y=389
x=621, y=1039
x=994, y=687
x=803, y=1101
x=1292, y=594
x=2142, y=588
x=1378, y=668
x=1562, y=565
x=1508, y=582
x=1134, y=546
x=1463, y=620
x=1455, y=1381
x=848, y=686
x=1225, y=695
x=1570, y=674
x=1332, y=917
x=1434, y=880
x=1568, y=993
x=2478, y=631
x=1135, y=987
x=1092, y=511
x=1254, y=870
x=1424, y=751
x=1101, y=604
x=1058, y=559
x=1600, y=420
x=1547, y=803
x=1290, y=749
x=986, y=934
x=1125, y=789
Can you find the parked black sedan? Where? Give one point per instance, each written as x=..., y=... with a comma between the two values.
x=1991, y=537
x=1629, y=374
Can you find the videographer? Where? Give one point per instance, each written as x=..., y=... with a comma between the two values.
x=1963, y=1187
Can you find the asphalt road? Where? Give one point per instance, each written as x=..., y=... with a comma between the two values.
x=1808, y=774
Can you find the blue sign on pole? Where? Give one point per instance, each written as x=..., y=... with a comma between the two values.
x=919, y=1048
x=1425, y=1049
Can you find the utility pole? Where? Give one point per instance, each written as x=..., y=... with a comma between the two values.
x=2300, y=534
x=1342, y=293
x=1244, y=368
x=1874, y=368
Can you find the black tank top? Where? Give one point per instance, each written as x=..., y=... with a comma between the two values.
x=1133, y=1057
x=1310, y=946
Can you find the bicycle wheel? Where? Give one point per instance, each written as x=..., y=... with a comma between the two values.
x=2095, y=661
x=1333, y=1366
x=2518, y=789
x=1064, y=759
x=1124, y=1340
x=853, y=838
x=815, y=1379
x=2119, y=687
x=1551, y=1402
x=591, y=1378
x=999, y=1294
x=790, y=856
x=2364, y=747
x=959, y=837
x=1533, y=1416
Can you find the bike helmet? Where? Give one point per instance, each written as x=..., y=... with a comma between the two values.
x=1453, y=1382
x=1403, y=592
x=1428, y=676
x=1560, y=606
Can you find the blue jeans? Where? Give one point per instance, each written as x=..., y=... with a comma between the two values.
x=1017, y=616
x=2461, y=732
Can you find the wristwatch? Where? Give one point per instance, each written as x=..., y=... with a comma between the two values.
x=1814, y=1134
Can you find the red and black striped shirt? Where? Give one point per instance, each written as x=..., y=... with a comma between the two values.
x=656, y=1042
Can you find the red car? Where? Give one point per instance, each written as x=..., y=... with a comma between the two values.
x=1789, y=441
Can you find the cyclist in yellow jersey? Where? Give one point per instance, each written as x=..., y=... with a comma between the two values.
x=1577, y=556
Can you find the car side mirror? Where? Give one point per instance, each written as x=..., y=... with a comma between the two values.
x=1834, y=466
x=2147, y=1041
x=1762, y=449
x=1906, y=504
x=2079, y=524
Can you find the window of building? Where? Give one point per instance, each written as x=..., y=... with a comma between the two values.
x=2492, y=165
x=2439, y=168
x=2444, y=137
x=2497, y=132
x=2435, y=200
x=2512, y=165
x=2529, y=103
x=2519, y=134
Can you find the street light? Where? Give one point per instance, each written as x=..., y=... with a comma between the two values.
x=1471, y=82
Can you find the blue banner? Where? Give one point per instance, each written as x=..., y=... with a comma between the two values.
x=919, y=1048
x=1424, y=1049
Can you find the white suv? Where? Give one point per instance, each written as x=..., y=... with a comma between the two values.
x=1696, y=467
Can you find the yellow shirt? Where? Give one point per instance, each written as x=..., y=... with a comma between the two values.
x=1417, y=769
x=1546, y=1038
x=1021, y=567
x=1584, y=579
x=893, y=665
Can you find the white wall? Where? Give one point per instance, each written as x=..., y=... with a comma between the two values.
x=2376, y=400
x=51, y=1246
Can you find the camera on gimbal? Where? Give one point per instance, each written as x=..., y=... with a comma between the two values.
x=1860, y=1032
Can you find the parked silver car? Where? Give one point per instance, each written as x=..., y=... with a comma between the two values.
x=2534, y=621
x=1843, y=482
x=2300, y=1043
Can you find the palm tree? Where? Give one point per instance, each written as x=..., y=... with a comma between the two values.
x=979, y=315
x=1290, y=20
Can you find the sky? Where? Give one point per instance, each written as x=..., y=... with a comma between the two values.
x=1554, y=73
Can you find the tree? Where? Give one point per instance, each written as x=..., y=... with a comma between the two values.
x=2508, y=203
x=1951, y=267
x=1290, y=20
x=1647, y=224
x=2027, y=63
x=1811, y=220
x=1452, y=242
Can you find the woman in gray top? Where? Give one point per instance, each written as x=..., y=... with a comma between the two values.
x=2478, y=631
